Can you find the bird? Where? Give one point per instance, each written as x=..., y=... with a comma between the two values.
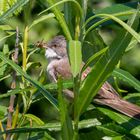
x=58, y=64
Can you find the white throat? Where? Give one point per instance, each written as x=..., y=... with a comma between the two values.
x=51, y=54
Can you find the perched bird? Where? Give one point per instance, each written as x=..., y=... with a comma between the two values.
x=58, y=64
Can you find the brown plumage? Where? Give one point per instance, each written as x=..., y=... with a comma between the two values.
x=56, y=54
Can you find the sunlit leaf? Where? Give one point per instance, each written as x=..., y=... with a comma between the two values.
x=74, y=49
x=127, y=78
x=53, y=127
x=34, y=118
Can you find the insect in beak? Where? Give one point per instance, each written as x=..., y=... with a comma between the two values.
x=41, y=44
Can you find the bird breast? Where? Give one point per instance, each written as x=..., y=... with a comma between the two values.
x=60, y=67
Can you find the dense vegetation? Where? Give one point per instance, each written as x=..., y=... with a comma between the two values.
x=105, y=34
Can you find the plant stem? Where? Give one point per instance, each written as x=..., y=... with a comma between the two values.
x=13, y=86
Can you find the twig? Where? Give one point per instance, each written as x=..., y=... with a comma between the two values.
x=13, y=86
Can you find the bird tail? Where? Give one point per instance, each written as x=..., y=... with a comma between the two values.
x=122, y=106
x=109, y=97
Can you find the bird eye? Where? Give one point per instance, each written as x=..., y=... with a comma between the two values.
x=54, y=45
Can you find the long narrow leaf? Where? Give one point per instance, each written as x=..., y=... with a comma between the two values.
x=93, y=57
x=123, y=24
x=40, y=19
x=117, y=8
x=13, y=92
x=34, y=118
x=61, y=2
x=127, y=77
x=61, y=20
x=53, y=127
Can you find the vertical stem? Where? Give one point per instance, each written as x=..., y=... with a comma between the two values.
x=76, y=92
x=25, y=43
x=24, y=60
x=13, y=86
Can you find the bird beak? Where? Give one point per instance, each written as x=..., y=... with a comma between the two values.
x=41, y=44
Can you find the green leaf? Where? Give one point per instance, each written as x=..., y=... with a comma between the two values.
x=88, y=123
x=92, y=44
x=3, y=67
x=10, y=11
x=130, y=124
x=93, y=57
x=69, y=15
x=123, y=24
x=53, y=127
x=115, y=8
x=136, y=131
x=112, y=129
x=13, y=92
x=3, y=110
x=107, y=131
x=5, y=5
x=132, y=44
x=127, y=78
x=42, y=18
x=125, y=121
x=74, y=49
x=5, y=37
x=53, y=86
x=136, y=96
x=42, y=136
x=103, y=68
x=5, y=77
x=66, y=122
x=44, y=92
x=61, y=2
x=34, y=118
x=133, y=98
x=5, y=49
x=60, y=19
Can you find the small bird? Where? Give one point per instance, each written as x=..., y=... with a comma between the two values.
x=58, y=64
